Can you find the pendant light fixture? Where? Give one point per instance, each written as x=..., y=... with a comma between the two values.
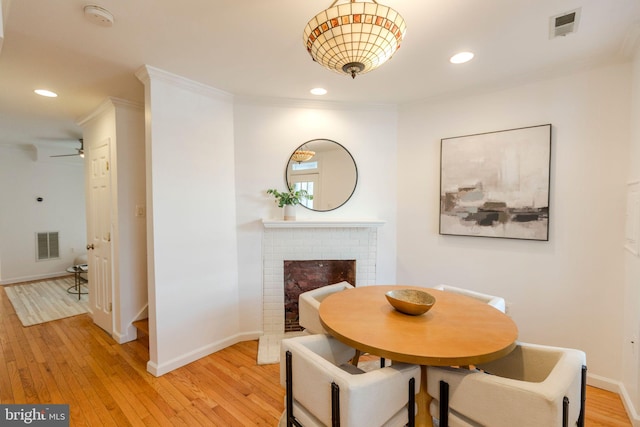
x=302, y=154
x=355, y=37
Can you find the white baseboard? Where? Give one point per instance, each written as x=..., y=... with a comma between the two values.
x=603, y=383
x=34, y=277
x=143, y=313
x=629, y=406
x=618, y=388
x=161, y=369
x=131, y=334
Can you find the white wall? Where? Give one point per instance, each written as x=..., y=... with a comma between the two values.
x=631, y=349
x=131, y=285
x=568, y=291
x=266, y=135
x=191, y=218
x=122, y=122
x=25, y=174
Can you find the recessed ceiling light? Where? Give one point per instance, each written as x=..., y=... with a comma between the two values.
x=318, y=91
x=461, y=58
x=45, y=92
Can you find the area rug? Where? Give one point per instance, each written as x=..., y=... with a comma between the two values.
x=47, y=300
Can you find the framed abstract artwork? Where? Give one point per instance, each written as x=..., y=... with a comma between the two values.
x=496, y=184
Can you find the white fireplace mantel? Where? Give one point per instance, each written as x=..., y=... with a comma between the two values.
x=325, y=223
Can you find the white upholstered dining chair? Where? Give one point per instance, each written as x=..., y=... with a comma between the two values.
x=309, y=307
x=533, y=386
x=324, y=389
x=309, y=304
x=494, y=301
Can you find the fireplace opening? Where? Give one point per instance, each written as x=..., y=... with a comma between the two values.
x=303, y=276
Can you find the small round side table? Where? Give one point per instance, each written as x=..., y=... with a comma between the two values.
x=77, y=270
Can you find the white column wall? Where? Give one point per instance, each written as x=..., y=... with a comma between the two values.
x=568, y=291
x=191, y=215
x=265, y=136
x=631, y=347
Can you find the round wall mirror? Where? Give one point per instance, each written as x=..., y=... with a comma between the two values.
x=326, y=170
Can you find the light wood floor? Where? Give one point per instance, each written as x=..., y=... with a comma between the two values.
x=73, y=361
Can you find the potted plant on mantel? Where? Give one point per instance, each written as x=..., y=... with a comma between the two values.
x=289, y=200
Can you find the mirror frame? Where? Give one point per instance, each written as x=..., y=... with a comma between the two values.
x=340, y=146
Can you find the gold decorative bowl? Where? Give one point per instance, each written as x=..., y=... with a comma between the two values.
x=410, y=301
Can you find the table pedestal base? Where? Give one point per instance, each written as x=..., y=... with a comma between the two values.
x=423, y=400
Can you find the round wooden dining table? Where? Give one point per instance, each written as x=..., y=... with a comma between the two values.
x=456, y=331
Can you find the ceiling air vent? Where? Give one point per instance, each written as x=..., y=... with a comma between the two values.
x=563, y=24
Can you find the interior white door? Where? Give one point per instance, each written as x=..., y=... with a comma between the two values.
x=99, y=233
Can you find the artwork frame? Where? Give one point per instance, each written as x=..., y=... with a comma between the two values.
x=497, y=184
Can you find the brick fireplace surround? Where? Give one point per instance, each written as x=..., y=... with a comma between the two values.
x=312, y=240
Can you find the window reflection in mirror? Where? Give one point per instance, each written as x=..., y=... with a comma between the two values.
x=330, y=175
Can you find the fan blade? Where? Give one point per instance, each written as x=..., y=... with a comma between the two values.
x=66, y=155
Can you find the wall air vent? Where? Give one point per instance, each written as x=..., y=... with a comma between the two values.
x=47, y=246
x=563, y=24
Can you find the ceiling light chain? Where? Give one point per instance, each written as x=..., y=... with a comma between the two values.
x=354, y=38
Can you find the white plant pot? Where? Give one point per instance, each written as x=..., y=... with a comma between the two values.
x=289, y=212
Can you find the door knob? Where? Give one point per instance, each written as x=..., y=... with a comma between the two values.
x=89, y=247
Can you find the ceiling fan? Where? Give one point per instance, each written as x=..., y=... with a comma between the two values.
x=80, y=151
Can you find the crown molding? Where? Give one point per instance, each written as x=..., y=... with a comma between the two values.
x=108, y=103
x=147, y=74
